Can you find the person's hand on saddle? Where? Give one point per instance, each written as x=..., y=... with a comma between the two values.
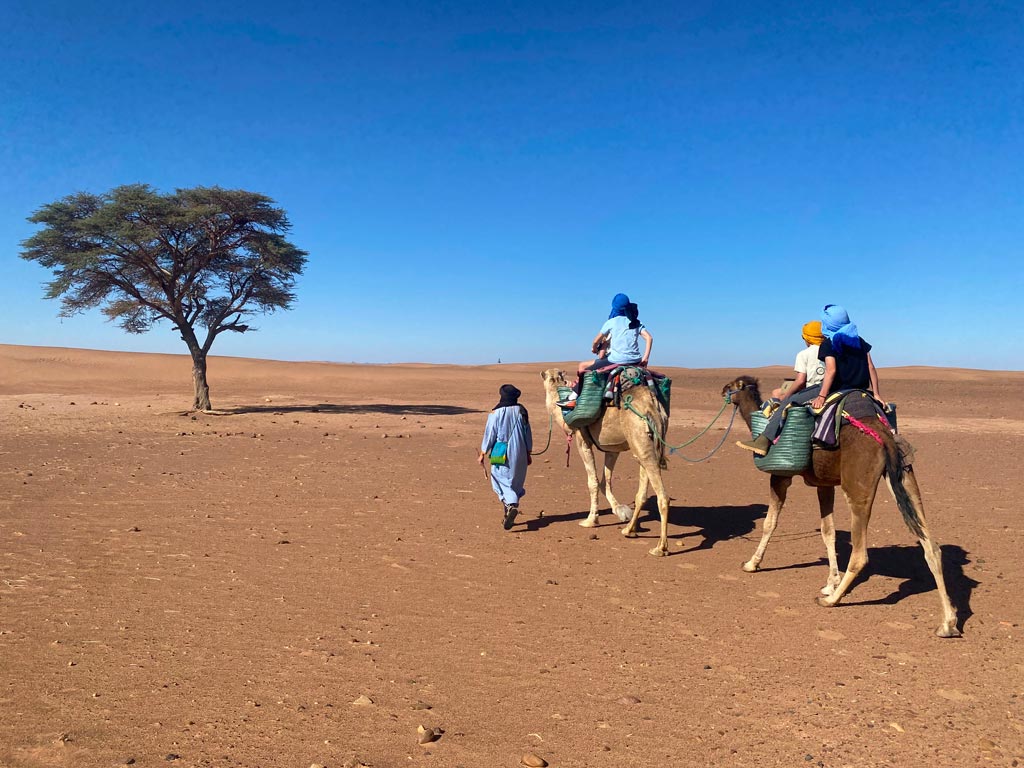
x=643, y=362
x=818, y=403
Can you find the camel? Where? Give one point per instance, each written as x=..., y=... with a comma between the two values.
x=856, y=466
x=616, y=431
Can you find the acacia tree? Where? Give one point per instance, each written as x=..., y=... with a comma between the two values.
x=202, y=258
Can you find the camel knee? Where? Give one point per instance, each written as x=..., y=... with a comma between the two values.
x=858, y=562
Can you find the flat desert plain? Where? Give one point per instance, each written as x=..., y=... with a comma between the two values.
x=318, y=569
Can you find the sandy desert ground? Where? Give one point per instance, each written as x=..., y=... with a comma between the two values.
x=319, y=568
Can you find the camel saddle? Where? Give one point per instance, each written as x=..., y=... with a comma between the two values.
x=804, y=428
x=606, y=386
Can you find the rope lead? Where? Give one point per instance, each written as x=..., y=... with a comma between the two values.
x=627, y=401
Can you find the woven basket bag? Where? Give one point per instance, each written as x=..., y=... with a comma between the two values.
x=792, y=453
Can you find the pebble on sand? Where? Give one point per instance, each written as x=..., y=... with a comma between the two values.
x=428, y=735
x=533, y=761
x=628, y=700
x=363, y=701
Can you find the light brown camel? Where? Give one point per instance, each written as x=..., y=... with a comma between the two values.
x=616, y=431
x=856, y=466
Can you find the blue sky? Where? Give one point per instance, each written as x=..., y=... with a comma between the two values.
x=476, y=180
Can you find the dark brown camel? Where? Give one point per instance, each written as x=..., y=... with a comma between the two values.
x=856, y=466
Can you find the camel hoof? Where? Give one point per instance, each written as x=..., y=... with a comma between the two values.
x=945, y=631
x=750, y=567
x=658, y=552
x=623, y=513
x=825, y=602
x=828, y=589
x=588, y=523
x=629, y=533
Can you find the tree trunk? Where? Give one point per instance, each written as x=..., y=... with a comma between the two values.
x=202, y=398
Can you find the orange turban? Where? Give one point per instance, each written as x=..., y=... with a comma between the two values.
x=812, y=332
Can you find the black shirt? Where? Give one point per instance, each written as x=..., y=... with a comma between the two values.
x=851, y=366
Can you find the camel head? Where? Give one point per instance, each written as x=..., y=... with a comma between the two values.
x=745, y=393
x=745, y=384
x=554, y=378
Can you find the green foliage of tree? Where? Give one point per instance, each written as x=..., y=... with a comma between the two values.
x=204, y=258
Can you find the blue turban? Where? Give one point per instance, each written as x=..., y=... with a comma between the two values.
x=619, y=304
x=837, y=328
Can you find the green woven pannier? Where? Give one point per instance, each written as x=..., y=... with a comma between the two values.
x=589, y=403
x=663, y=388
x=791, y=454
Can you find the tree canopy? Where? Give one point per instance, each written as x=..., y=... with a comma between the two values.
x=205, y=257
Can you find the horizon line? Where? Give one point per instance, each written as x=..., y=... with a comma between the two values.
x=476, y=365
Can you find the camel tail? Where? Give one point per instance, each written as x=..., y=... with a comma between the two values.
x=894, y=470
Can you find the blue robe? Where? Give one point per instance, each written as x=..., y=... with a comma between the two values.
x=508, y=424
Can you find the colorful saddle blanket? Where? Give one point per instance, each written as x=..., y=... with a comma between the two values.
x=607, y=386
x=853, y=406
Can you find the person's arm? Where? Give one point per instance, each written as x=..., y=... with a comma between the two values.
x=798, y=383
x=599, y=343
x=650, y=343
x=799, y=367
x=529, y=444
x=873, y=377
x=826, y=383
x=488, y=441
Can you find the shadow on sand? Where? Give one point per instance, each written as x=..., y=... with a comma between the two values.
x=908, y=563
x=715, y=524
x=721, y=523
x=905, y=562
x=360, y=408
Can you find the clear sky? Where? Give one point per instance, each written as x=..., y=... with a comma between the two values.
x=474, y=181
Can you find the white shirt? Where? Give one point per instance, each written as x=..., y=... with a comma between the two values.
x=807, y=363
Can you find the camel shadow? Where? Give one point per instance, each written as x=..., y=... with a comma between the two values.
x=715, y=523
x=356, y=408
x=906, y=562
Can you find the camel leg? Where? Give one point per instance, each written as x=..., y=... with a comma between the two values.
x=654, y=475
x=778, y=488
x=826, y=505
x=860, y=515
x=621, y=510
x=593, y=482
x=932, y=555
x=641, y=495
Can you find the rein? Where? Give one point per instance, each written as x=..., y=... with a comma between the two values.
x=551, y=422
x=672, y=449
x=568, y=440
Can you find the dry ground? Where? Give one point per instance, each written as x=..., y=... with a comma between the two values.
x=224, y=588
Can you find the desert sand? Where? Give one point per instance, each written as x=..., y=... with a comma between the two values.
x=318, y=569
